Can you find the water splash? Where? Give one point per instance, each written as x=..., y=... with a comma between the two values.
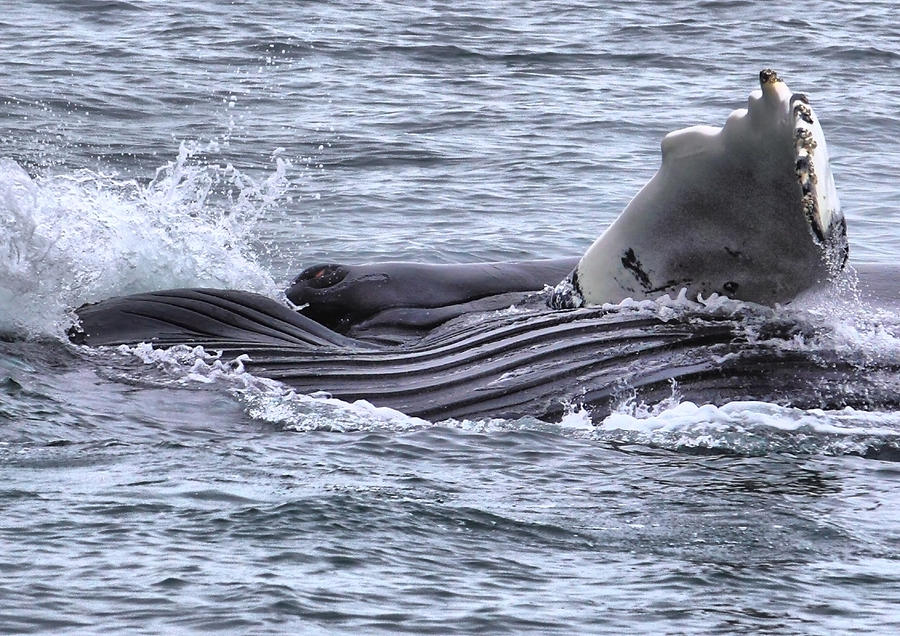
x=80, y=237
x=752, y=428
x=262, y=399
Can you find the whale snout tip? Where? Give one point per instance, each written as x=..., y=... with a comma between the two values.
x=775, y=93
x=768, y=76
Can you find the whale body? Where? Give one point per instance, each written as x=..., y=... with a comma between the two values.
x=748, y=211
x=534, y=362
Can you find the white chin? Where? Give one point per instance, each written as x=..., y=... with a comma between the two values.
x=748, y=210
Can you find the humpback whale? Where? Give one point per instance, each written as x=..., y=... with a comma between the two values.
x=676, y=295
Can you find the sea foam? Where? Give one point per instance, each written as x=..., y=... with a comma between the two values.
x=78, y=237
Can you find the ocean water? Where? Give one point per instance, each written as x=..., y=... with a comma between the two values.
x=149, y=144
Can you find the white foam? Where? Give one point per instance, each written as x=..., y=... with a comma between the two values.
x=263, y=399
x=687, y=415
x=750, y=427
x=832, y=319
x=299, y=412
x=83, y=236
x=666, y=307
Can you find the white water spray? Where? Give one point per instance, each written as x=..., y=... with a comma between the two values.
x=79, y=237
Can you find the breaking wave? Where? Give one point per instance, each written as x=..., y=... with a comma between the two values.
x=79, y=237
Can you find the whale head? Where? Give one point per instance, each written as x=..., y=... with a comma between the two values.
x=748, y=210
x=777, y=113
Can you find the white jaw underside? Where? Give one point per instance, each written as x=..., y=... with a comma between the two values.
x=770, y=110
x=748, y=210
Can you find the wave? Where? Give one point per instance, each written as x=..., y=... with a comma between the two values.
x=78, y=237
x=753, y=428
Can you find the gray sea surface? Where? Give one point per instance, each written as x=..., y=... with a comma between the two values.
x=149, y=144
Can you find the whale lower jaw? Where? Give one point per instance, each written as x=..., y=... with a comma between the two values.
x=820, y=202
x=748, y=210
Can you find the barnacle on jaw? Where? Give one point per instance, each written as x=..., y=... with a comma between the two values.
x=802, y=171
x=808, y=203
x=803, y=112
x=804, y=139
x=768, y=76
x=819, y=201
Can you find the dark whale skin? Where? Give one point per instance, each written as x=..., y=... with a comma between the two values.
x=529, y=362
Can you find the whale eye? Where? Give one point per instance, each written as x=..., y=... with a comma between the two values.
x=322, y=276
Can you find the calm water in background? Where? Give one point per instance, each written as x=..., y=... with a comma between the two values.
x=149, y=145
